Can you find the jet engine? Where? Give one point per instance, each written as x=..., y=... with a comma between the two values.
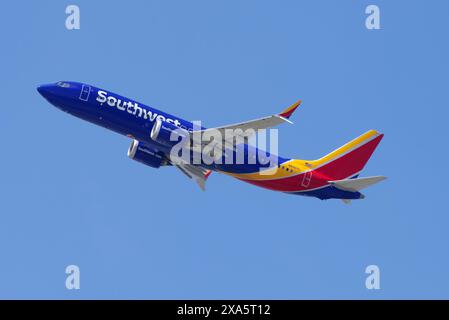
x=146, y=155
x=167, y=133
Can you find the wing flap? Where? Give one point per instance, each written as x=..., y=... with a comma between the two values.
x=198, y=174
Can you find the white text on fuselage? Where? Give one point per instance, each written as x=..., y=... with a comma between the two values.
x=133, y=108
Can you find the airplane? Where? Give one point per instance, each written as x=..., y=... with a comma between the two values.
x=333, y=176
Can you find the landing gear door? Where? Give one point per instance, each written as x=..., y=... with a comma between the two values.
x=85, y=92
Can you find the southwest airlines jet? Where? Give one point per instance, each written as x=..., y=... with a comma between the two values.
x=334, y=176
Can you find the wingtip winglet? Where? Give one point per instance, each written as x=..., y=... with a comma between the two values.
x=289, y=111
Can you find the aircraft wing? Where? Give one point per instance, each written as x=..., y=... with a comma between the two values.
x=197, y=173
x=253, y=125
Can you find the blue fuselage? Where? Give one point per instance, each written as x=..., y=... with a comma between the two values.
x=107, y=109
x=137, y=121
x=127, y=117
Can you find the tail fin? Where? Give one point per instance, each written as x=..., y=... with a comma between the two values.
x=348, y=160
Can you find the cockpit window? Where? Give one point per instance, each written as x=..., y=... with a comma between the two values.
x=63, y=84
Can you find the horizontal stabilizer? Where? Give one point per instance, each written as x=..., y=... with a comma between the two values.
x=355, y=185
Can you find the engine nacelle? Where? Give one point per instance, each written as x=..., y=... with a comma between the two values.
x=167, y=133
x=145, y=155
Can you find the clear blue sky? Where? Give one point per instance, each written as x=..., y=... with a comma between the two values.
x=69, y=194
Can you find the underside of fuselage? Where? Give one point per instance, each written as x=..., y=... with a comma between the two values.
x=323, y=192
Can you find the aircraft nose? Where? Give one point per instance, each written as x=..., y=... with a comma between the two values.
x=42, y=89
x=45, y=90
